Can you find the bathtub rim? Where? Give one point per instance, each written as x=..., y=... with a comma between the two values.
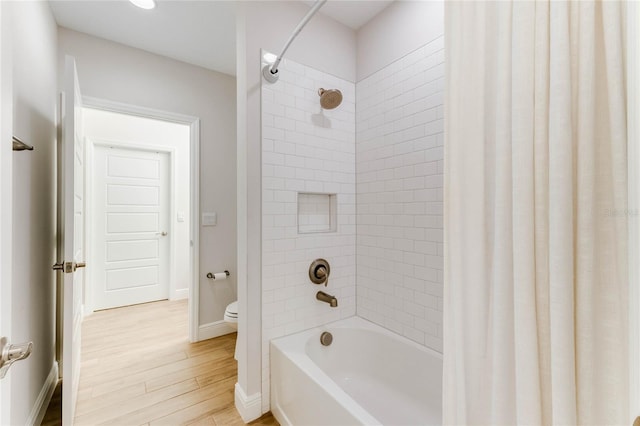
x=293, y=347
x=288, y=343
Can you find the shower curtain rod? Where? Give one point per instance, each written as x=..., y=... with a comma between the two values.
x=270, y=72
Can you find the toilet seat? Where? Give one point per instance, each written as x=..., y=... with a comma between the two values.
x=231, y=318
x=231, y=313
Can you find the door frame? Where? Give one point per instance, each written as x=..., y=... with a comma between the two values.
x=633, y=213
x=91, y=144
x=194, y=136
x=6, y=191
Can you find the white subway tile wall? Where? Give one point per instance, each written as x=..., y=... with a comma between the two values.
x=399, y=163
x=305, y=149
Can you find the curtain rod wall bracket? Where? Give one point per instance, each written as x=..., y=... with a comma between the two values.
x=271, y=77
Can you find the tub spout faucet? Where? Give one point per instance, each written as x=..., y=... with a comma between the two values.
x=324, y=297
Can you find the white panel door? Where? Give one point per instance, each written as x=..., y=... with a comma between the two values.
x=71, y=230
x=131, y=226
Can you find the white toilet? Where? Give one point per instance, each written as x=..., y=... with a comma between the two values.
x=231, y=318
x=231, y=314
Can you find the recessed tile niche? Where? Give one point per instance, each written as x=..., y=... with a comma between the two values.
x=317, y=213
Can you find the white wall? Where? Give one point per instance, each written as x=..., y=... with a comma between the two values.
x=400, y=161
x=401, y=28
x=119, y=73
x=324, y=45
x=104, y=126
x=34, y=201
x=305, y=150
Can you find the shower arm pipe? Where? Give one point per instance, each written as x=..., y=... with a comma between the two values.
x=273, y=69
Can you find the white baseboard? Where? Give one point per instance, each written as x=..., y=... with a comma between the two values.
x=44, y=397
x=180, y=293
x=280, y=416
x=214, y=329
x=249, y=407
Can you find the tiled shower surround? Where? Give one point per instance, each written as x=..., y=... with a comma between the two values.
x=399, y=163
x=305, y=150
x=393, y=163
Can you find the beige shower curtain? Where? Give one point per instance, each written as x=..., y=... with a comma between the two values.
x=535, y=327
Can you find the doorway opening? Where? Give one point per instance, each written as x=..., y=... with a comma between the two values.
x=142, y=204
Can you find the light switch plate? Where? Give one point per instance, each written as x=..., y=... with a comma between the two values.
x=209, y=219
x=180, y=216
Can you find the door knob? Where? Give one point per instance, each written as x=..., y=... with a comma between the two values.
x=163, y=233
x=68, y=267
x=11, y=353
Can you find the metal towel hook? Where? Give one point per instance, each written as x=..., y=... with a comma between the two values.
x=18, y=145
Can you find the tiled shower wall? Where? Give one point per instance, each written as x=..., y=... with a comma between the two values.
x=399, y=162
x=305, y=150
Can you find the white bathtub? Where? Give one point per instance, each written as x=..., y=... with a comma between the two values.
x=367, y=376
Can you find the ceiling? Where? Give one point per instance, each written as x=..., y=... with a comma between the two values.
x=200, y=32
x=352, y=13
x=197, y=32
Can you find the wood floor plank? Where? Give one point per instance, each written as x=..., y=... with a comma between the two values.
x=220, y=372
x=104, y=386
x=206, y=421
x=132, y=405
x=131, y=357
x=196, y=412
x=89, y=405
x=266, y=420
x=172, y=405
x=222, y=369
x=227, y=417
x=124, y=367
x=139, y=369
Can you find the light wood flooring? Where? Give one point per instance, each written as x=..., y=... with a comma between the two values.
x=138, y=368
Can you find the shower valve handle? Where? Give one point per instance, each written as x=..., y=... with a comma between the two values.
x=319, y=272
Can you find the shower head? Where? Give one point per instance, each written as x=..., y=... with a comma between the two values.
x=329, y=99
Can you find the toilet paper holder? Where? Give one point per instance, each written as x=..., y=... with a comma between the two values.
x=210, y=274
